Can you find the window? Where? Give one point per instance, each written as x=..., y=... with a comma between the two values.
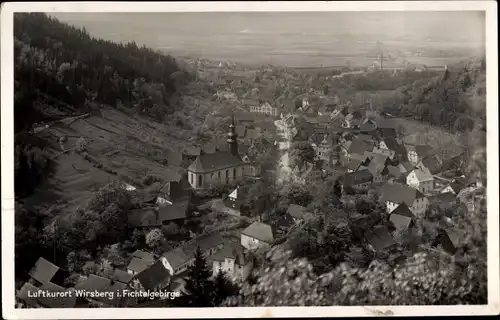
x=200, y=180
x=190, y=178
x=234, y=173
x=218, y=173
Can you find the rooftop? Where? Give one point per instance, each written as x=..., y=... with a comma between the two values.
x=184, y=253
x=216, y=161
x=260, y=231
x=153, y=275
x=43, y=271
x=399, y=193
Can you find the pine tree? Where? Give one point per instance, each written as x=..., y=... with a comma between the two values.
x=223, y=288
x=337, y=189
x=198, y=283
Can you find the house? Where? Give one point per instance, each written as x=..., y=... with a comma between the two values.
x=266, y=109
x=140, y=261
x=420, y=178
x=402, y=218
x=233, y=260
x=176, y=213
x=354, y=164
x=449, y=239
x=154, y=278
x=391, y=148
x=377, y=165
x=393, y=173
x=454, y=187
x=352, y=120
x=222, y=167
x=173, y=191
x=236, y=200
x=449, y=203
x=361, y=179
x=368, y=128
x=44, y=272
x=298, y=213
x=122, y=276
x=180, y=258
x=416, y=153
x=28, y=290
x=208, y=148
x=250, y=104
x=191, y=152
x=257, y=235
x=394, y=194
x=380, y=240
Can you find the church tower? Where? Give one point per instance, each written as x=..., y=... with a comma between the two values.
x=232, y=138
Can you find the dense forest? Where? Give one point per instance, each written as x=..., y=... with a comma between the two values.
x=62, y=71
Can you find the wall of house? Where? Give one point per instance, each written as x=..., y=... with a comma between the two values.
x=448, y=189
x=413, y=157
x=252, y=170
x=208, y=180
x=386, y=152
x=251, y=243
x=390, y=206
x=419, y=207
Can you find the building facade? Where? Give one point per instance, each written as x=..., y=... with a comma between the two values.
x=265, y=108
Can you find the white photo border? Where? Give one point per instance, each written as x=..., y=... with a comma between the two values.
x=7, y=173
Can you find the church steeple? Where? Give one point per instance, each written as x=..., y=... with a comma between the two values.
x=232, y=138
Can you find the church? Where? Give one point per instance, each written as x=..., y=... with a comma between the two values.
x=221, y=167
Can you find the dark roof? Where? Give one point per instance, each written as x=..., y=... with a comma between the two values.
x=68, y=301
x=296, y=211
x=394, y=171
x=403, y=210
x=154, y=275
x=43, y=271
x=184, y=253
x=93, y=282
x=208, y=148
x=231, y=250
x=400, y=222
x=240, y=130
x=260, y=231
x=359, y=146
x=367, y=127
x=386, y=123
x=121, y=276
x=380, y=238
x=145, y=217
x=392, y=144
x=387, y=132
x=357, y=177
x=216, y=161
x=174, y=211
x=25, y=292
x=138, y=264
x=141, y=254
x=445, y=197
x=434, y=164
x=192, y=151
x=421, y=149
x=354, y=164
x=398, y=193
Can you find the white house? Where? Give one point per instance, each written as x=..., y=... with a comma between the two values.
x=257, y=235
x=394, y=194
x=232, y=260
x=421, y=178
x=266, y=109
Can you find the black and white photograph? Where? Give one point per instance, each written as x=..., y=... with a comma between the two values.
x=214, y=156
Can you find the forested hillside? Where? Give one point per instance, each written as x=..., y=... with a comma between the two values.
x=63, y=71
x=455, y=100
x=57, y=60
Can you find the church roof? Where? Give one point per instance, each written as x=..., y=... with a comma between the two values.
x=216, y=161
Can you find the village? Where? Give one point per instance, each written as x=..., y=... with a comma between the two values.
x=255, y=143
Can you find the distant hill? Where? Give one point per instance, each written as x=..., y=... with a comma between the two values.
x=455, y=100
x=59, y=67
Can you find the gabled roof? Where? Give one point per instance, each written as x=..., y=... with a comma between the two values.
x=93, y=282
x=442, y=198
x=392, y=144
x=25, y=292
x=399, y=193
x=359, y=146
x=283, y=223
x=403, y=210
x=192, y=151
x=296, y=211
x=154, y=275
x=138, y=264
x=213, y=162
x=433, y=163
x=367, y=127
x=68, y=301
x=185, y=253
x=121, y=276
x=141, y=254
x=423, y=174
x=357, y=177
x=400, y=222
x=174, y=211
x=380, y=238
x=354, y=164
x=43, y=271
x=387, y=132
x=260, y=231
x=231, y=250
